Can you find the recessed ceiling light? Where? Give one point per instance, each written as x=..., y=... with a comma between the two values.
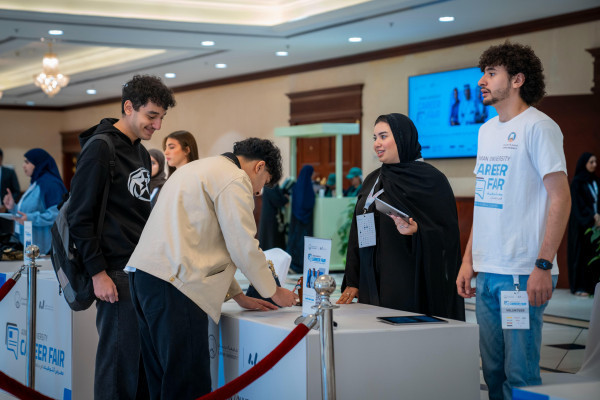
x=30, y=103
x=208, y=43
x=170, y=75
x=91, y=91
x=355, y=39
x=446, y=19
x=281, y=53
x=55, y=32
x=220, y=65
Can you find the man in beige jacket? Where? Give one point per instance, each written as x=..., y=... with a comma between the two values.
x=200, y=231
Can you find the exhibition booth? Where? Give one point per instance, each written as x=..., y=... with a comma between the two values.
x=371, y=357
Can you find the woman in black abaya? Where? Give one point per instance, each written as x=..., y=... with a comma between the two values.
x=585, y=209
x=413, y=266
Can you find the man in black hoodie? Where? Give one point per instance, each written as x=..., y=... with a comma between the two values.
x=144, y=104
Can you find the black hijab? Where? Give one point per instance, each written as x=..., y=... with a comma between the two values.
x=581, y=171
x=424, y=193
x=161, y=177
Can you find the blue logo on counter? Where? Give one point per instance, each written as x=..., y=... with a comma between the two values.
x=12, y=339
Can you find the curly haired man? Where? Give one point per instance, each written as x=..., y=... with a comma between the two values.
x=522, y=204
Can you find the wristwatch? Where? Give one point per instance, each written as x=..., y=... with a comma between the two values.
x=543, y=264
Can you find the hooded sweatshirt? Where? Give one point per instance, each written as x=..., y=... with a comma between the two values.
x=128, y=204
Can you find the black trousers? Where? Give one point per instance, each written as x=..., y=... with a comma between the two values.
x=174, y=339
x=119, y=370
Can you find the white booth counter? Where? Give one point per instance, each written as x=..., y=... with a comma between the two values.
x=576, y=390
x=372, y=359
x=66, y=341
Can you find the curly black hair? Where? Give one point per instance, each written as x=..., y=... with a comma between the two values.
x=144, y=88
x=264, y=150
x=518, y=58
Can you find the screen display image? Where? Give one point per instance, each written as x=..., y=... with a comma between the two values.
x=447, y=110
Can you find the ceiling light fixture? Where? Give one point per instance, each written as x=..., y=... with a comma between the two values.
x=30, y=103
x=55, y=32
x=221, y=66
x=91, y=91
x=50, y=80
x=355, y=39
x=446, y=19
x=281, y=53
x=208, y=43
x=170, y=75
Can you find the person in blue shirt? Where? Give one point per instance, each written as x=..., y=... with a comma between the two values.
x=301, y=221
x=355, y=176
x=39, y=203
x=330, y=186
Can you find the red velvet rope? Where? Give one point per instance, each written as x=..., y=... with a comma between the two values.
x=259, y=369
x=19, y=390
x=6, y=287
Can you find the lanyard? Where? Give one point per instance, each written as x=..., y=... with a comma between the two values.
x=516, y=282
x=153, y=193
x=594, y=190
x=371, y=198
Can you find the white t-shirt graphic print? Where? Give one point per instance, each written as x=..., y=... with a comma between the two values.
x=511, y=202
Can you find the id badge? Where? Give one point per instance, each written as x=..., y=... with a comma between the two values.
x=365, y=224
x=514, y=310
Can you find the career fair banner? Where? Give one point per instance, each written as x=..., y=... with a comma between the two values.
x=317, y=256
x=53, y=338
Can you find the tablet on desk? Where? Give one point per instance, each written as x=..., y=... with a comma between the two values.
x=387, y=209
x=412, y=319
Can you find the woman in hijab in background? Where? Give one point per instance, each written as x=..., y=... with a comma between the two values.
x=301, y=224
x=158, y=177
x=413, y=265
x=585, y=209
x=39, y=203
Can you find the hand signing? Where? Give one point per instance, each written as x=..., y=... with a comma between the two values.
x=251, y=303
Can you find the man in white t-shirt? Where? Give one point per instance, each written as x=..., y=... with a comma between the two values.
x=522, y=205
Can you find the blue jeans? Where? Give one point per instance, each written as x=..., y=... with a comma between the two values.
x=510, y=357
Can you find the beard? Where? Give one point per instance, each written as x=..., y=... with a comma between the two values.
x=497, y=96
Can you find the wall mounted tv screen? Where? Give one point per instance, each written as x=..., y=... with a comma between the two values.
x=447, y=110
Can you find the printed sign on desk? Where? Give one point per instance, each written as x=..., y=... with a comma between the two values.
x=317, y=255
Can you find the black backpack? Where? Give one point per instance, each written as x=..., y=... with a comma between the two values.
x=74, y=280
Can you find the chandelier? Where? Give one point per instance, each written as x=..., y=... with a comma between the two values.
x=50, y=80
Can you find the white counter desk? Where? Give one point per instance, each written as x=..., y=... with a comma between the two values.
x=577, y=390
x=66, y=341
x=372, y=359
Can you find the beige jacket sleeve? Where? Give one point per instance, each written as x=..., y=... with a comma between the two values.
x=234, y=208
x=234, y=290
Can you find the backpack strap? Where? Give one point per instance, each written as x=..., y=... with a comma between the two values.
x=111, y=168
